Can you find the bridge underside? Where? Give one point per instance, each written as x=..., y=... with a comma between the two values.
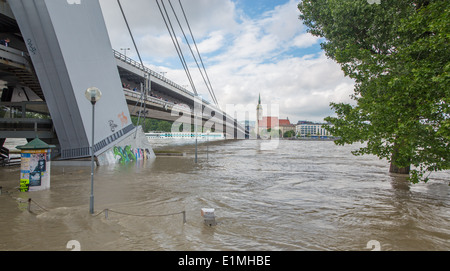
x=45, y=70
x=167, y=100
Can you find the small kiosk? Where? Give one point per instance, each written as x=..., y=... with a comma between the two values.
x=35, y=166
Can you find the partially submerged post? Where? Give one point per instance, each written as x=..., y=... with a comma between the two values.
x=209, y=216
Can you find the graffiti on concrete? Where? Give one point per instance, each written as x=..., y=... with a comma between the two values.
x=123, y=119
x=113, y=126
x=127, y=154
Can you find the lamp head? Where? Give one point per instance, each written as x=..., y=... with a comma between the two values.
x=93, y=94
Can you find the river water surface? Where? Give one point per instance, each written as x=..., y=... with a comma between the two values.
x=300, y=195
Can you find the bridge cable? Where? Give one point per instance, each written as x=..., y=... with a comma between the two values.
x=200, y=57
x=176, y=44
x=193, y=55
x=129, y=30
x=178, y=47
x=143, y=93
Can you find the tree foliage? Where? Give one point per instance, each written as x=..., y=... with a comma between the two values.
x=153, y=125
x=398, y=54
x=288, y=134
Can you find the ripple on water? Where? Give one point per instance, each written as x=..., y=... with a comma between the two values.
x=300, y=196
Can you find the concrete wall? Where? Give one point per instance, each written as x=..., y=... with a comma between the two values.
x=71, y=51
x=133, y=149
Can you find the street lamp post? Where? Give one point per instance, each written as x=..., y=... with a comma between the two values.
x=125, y=51
x=197, y=113
x=207, y=145
x=196, y=155
x=93, y=95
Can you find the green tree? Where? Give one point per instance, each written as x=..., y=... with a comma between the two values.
x=288, y=134
x=398, y=54
x=153, y=124
x=164, y=126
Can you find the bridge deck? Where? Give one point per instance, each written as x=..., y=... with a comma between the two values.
x=21, y=67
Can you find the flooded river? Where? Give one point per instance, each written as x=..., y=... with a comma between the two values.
x=298, y=196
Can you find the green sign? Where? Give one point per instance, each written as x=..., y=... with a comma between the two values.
x=24, y=185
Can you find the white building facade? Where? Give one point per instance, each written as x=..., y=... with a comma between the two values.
x=312, y=130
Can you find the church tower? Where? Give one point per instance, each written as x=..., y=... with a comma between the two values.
x=259, y=117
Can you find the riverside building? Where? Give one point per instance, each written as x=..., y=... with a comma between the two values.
x=313, y=130
x=269, y=123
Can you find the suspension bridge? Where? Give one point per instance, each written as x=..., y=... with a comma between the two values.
x=57, y=49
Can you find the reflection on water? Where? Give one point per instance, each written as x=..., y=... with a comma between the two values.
x=299, y=196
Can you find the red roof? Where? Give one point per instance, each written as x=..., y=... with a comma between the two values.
x=285, y=123
x=272, y=122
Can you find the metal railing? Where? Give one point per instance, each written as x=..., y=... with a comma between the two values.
x=168, y=105
x=20, y=109
x=13, y=55
x=15, y=122
x=138, y=65
x=4, y=152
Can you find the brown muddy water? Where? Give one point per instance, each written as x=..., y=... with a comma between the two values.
x=295, y=196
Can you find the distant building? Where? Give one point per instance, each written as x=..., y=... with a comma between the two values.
x=249, y=123
x=259, y=117
x=272, y=123
x=286, y=125
x=309, y=129
x=304, y=122
x=267, y=123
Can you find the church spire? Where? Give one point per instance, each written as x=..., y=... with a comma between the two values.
x=259, y=117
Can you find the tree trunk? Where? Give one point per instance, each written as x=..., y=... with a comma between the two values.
x=394, y=168
x=399, y=170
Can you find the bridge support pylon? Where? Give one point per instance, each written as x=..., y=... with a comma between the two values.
x=70, y=50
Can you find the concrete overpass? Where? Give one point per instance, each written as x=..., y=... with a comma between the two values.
x=60, y=48
x=165, y=98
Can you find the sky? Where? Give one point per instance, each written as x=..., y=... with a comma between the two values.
x=249, y=48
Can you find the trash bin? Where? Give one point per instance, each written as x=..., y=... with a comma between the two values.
x=35, y=166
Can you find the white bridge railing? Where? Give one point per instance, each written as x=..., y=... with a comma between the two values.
x=138, y=65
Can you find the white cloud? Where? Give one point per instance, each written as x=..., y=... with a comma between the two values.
x=305, y=40
x=283, y=21
x=303, y=87
x=212, y=43
x=269, y=54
